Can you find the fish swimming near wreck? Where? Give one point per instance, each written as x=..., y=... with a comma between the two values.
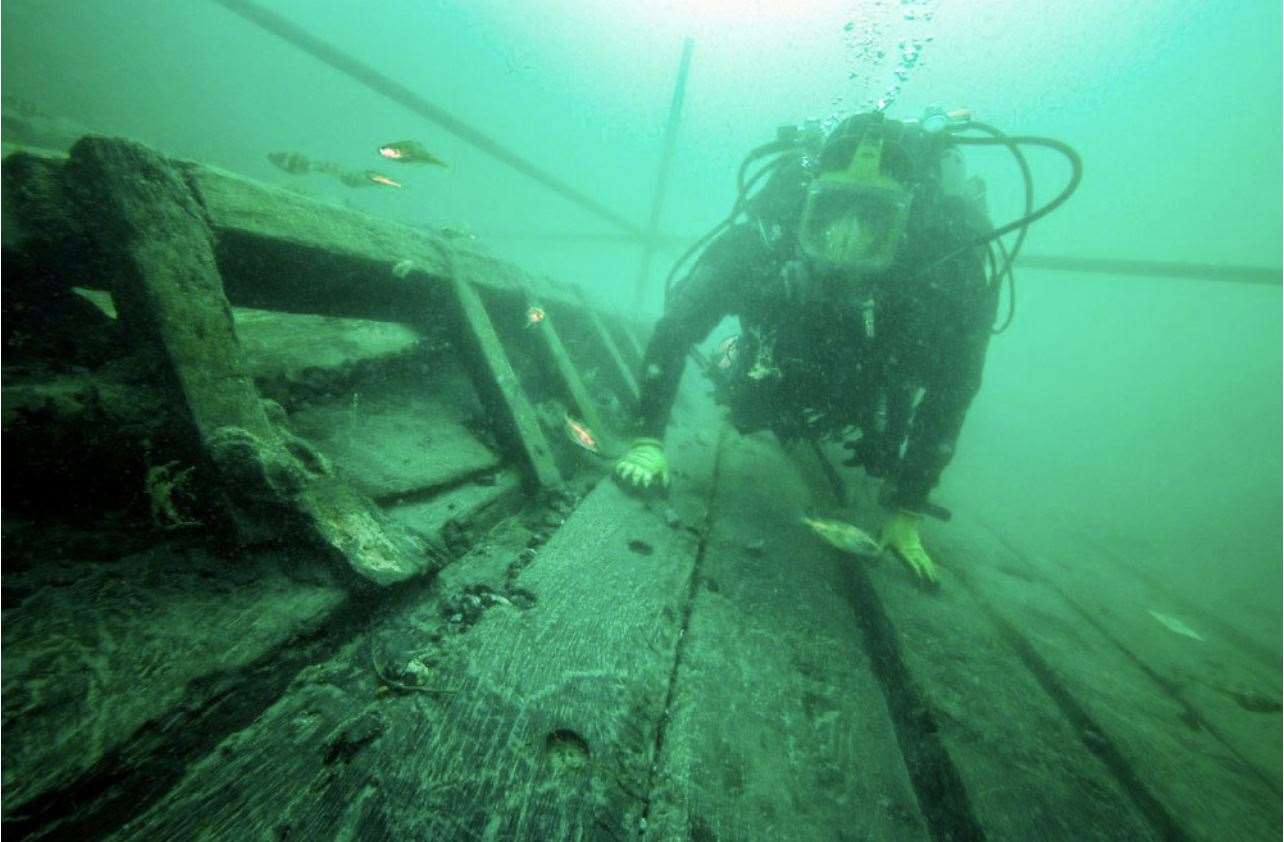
x=380, y=178
x=1177, y=626
x=844, y=536
x=580, y=434
x=409, y=152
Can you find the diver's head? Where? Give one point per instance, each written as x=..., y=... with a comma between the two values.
x=856, y=208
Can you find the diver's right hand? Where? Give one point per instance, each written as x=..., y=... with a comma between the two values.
x=643, y=464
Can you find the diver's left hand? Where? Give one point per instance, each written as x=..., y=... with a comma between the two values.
x=901, y=534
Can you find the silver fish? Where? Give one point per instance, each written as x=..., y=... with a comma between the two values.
x=844, y=536
x=1177, y=626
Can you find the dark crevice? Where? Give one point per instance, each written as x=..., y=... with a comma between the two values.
x=1094, y=739
x=693, y=585
x=396, y=499
x=1170, y=688
x=942, y=795
x=131, y=778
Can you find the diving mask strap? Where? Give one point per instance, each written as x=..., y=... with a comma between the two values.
x=867, y=158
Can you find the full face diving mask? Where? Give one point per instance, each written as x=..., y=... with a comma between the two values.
x=853, y=219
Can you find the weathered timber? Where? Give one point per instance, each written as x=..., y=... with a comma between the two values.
x=266, y=238
x=777, y=728
x=164, y=282
x=458, y=513
x=168, y=630
x=629, y=343
x=152, y=239
x=991, y=751
x=570, y=376
x=497, y=383
x=397, y=435
x=623, y=375
x=1194, y=763
x=536, y=721
x=1229, y=681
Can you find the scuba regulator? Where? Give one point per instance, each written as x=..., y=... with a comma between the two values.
x=865, y=168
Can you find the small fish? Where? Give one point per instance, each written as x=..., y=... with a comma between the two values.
x=409, y=152
x=727, y=352
x=534, y=316
x=291, y=162
x=378, y=178
x=844, y=536
x=580, y=434
x=1177, y=626
x=1255, y=702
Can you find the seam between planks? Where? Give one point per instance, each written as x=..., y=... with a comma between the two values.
x=1167, y=686
x=693, y=585
x=942, y=796
x=1094, y=738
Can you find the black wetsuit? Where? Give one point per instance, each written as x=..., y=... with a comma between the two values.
x=818, y=357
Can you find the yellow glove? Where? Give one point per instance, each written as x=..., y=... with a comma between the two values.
x=901, y=534
x=644, y=463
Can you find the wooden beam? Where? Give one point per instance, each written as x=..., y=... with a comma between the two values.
x=157, y=253
x=626, y=381
x=628, y=342
x=775, y=703
x=1035, y=694
x=497, y=383
x=531, y=714
x=570, y=376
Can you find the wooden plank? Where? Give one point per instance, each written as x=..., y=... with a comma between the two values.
x=267, y=237
x=347, y=256
x=621, y=374
x=545, y=727
x=159, y=258
x=1208, y=763
x=1009, y=763
x=169, y=627
x=497, y=384
x=155, y=247
x=777, y=727
x=570, y=377
x=472, y=506
x=1229, y=680
x=1230, y=677
x=395, y=434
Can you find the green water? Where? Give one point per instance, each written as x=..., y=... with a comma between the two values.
x=1125, y=422
x=1149, y=408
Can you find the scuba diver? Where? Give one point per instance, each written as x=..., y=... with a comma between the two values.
x=866, y=281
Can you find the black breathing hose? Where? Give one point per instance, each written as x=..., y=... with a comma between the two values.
x=997, y=138
x=1009, y=258
x=743, y=186
x=1012, y=141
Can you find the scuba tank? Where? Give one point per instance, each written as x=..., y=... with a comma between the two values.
x=923, y=151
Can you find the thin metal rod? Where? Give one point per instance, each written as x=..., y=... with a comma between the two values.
x=1260, y=275
x=1256, y=275
x=360, y=72
x=662, y=177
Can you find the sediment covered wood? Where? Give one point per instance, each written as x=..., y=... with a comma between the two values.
x=1184, y=771
x=778, y=728
x=497, y=384
x=991, y=752
x=79, y=684
x=530, y=712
